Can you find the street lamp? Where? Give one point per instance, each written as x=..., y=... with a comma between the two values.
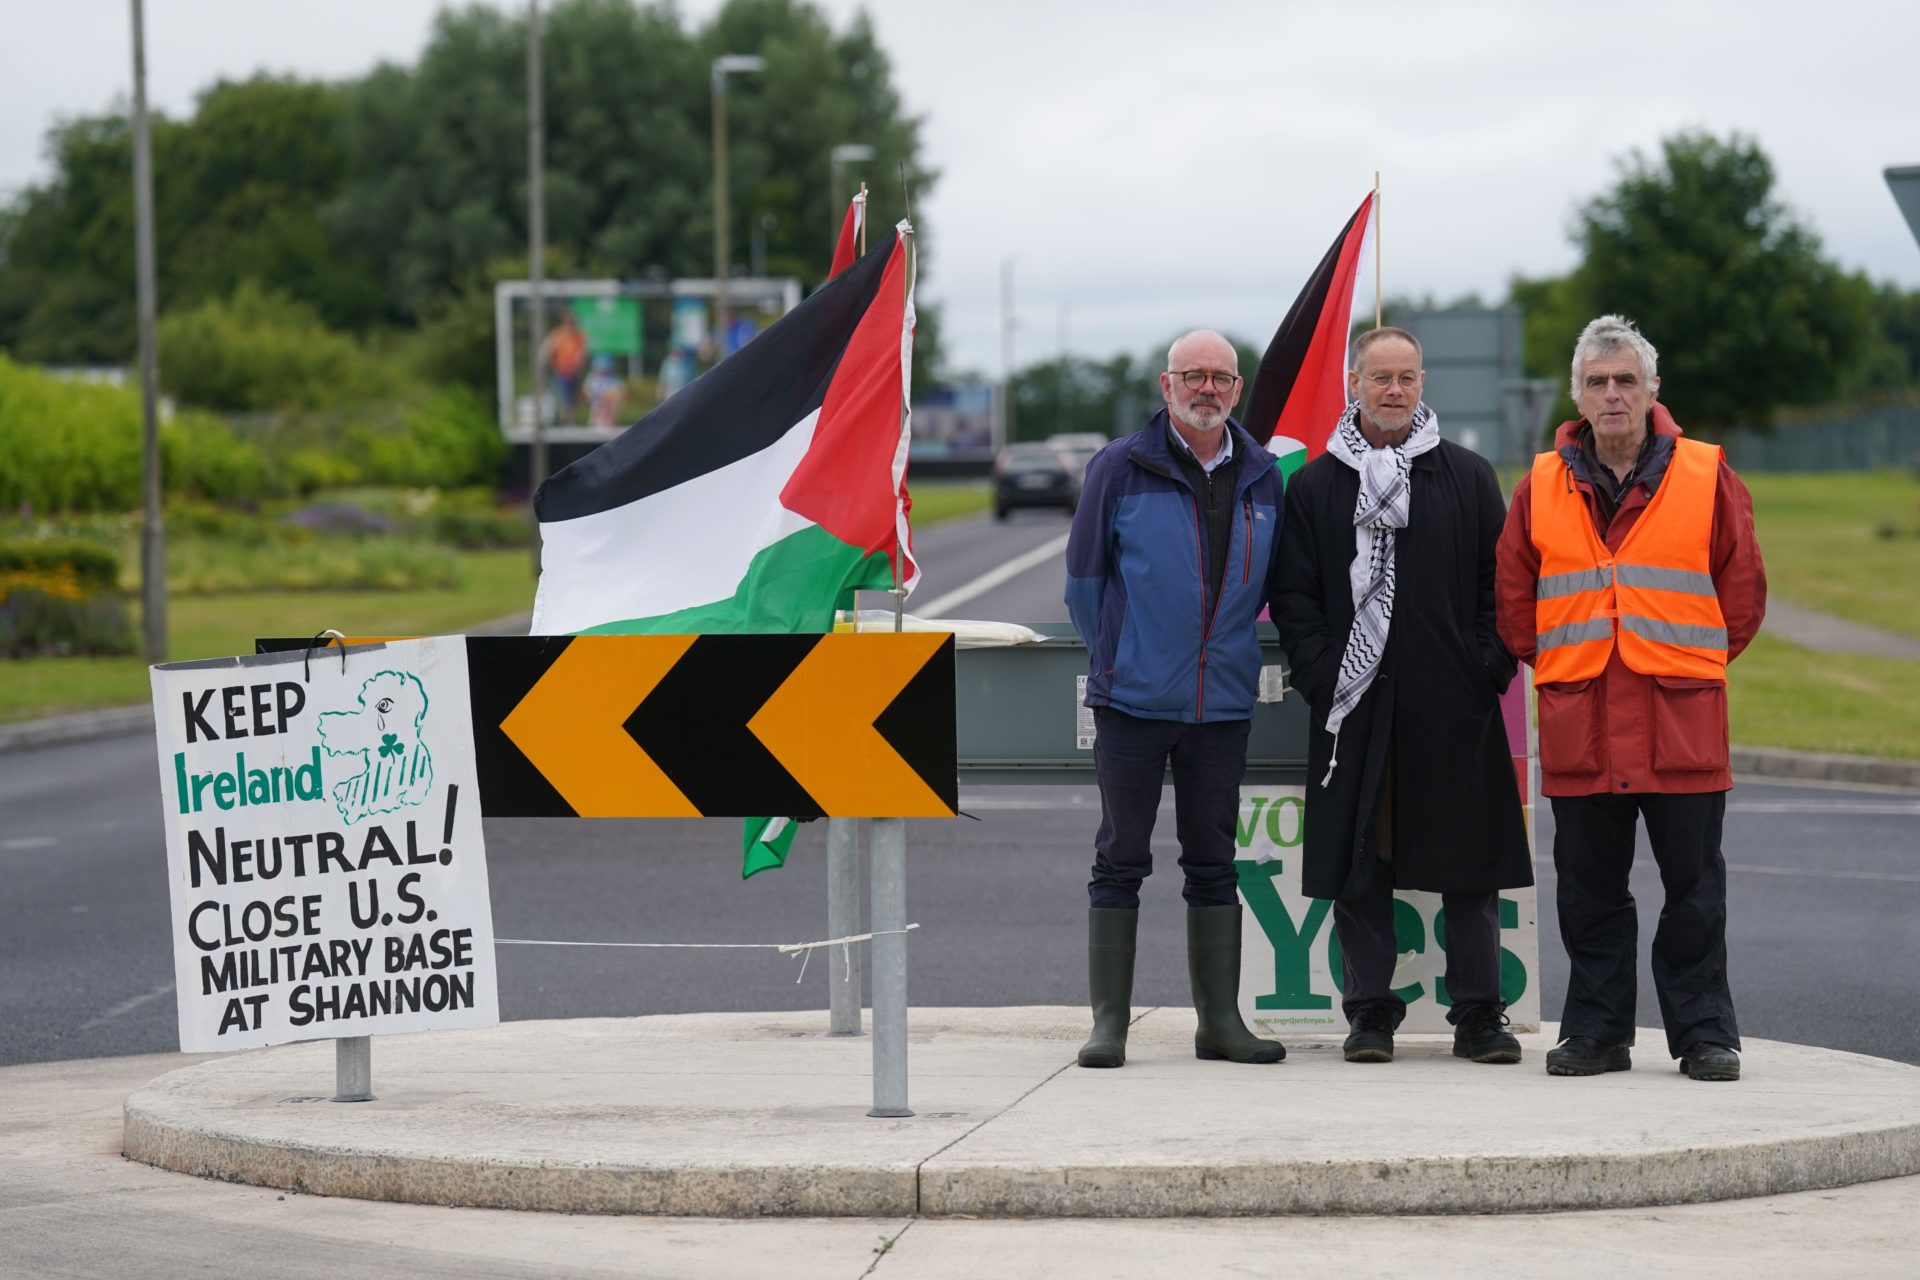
x=726, y=62
x=153, y=554
x=837, y=161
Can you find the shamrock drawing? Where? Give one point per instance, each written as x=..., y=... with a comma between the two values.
x=390, y=745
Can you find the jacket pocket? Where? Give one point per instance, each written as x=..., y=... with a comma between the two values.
x=1569, y=726
x=1689, y=723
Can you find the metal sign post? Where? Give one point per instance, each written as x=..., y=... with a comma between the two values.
x=353, y=1069
x=889, y=889
x=843, y=920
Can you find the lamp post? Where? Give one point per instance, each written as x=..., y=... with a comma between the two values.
x=722, y=65
x=536, y=265
x=153, y=556
x=837, y=161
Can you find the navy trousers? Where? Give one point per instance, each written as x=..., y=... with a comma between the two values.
x=1370, y=945
x=1592, y=855
x=1130, y=759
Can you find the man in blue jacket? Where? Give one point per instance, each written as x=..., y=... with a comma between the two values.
x=1170, y=561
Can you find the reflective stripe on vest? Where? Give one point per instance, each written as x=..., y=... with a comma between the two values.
x=1655, y=597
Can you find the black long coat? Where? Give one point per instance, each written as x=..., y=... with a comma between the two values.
x=1432, y=714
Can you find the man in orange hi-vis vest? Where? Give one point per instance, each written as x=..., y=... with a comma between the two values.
x=1629, y=576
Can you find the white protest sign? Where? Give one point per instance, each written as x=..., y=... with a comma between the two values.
x=1289, y=958
x=325, y=862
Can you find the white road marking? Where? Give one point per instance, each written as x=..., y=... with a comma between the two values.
x=128, y=1006
x=27, y=842
x=1875, y=808
x=1808, y=873
x=938, y=608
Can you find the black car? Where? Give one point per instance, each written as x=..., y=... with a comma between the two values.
x=1035, y=475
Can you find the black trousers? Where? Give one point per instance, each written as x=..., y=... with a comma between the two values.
x=1592, y=855
x=1130, y=760
x=1370, y=945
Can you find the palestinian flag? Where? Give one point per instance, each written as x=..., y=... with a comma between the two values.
x=761, y=496
x=1300, y=389
x=848, y=245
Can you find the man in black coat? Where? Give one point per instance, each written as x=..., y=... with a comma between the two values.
x=1410, y=779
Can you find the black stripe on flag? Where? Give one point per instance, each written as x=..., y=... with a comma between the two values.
x=733, y=411
x=1280, y=366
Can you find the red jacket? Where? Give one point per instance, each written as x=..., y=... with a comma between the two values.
x=1622, y=732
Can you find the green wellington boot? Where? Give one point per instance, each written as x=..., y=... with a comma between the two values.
x=1110, y=935
x=1213, y=964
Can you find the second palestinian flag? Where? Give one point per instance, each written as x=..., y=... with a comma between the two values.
x=1301, y=387
x=759, y=497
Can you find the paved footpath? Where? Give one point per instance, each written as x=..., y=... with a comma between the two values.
x=763, y=1092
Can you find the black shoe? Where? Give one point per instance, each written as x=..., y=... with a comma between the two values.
x=1585, y=1056
x=1213, y=966
x=1482, y=1035
x=1110, y=937
x=1707, y=1061
x=1371, y=1037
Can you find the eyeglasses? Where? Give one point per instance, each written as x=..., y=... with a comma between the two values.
x=1405, y=381
x=1197, y=378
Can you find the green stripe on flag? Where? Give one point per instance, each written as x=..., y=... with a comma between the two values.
x=793, y=585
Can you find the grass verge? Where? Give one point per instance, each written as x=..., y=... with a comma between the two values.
x=937, y=500
x=1781, y=695
x=497, y=583
x=1845, y=543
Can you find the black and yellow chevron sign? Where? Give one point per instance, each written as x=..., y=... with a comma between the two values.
x=800, y=726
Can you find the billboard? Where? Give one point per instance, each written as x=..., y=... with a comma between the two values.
x=609, y=351
x=953, y=421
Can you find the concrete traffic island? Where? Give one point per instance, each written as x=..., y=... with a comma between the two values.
x=764, y=1114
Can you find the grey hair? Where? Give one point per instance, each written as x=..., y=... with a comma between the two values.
x=1202, y=333
x=1358, y=347
x=1606, y=335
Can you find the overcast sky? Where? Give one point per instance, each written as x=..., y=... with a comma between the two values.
x=1155, y=166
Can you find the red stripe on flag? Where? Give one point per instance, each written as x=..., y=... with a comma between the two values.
x=1320, y=392
x=847, y=249
x=845, y=483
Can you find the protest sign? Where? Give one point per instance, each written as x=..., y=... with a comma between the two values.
x=325, y=862
x=1290, y=959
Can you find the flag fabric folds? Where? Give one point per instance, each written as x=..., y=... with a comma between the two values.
x=757, y=499
x=1300, y=389
x=848, y=246
x=761, y=495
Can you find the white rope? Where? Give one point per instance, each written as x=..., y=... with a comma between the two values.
x=805, y=950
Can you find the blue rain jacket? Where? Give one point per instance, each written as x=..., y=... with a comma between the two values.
x=1158, y=647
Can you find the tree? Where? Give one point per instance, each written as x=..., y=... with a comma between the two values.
x=390, y=200
x=1749, y=316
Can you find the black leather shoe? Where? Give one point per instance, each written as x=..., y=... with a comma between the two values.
x=1706, y=1061
x=1371, y=1035
x=1482, y=1035
x=1585, y=1056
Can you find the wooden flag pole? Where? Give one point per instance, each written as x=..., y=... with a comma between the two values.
x=1376, y=248
x=864, y=211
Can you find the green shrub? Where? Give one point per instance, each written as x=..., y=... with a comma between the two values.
x=59, y=596
x=39, y=624
x=204, y=566
x=72, y=446
x=256, y=350
x=91, y=567
x=444, y=439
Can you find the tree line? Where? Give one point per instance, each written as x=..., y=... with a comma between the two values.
x=1692, y=243
x=389, y=204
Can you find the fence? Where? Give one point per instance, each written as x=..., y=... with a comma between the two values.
x=1881, y=438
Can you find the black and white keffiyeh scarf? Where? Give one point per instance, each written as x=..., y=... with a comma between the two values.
x=1382, y=506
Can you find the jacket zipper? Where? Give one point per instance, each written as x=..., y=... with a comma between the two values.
x=1246, y=570
x=1206, y=612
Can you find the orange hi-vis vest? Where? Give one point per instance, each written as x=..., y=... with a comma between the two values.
x=1654, y=597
